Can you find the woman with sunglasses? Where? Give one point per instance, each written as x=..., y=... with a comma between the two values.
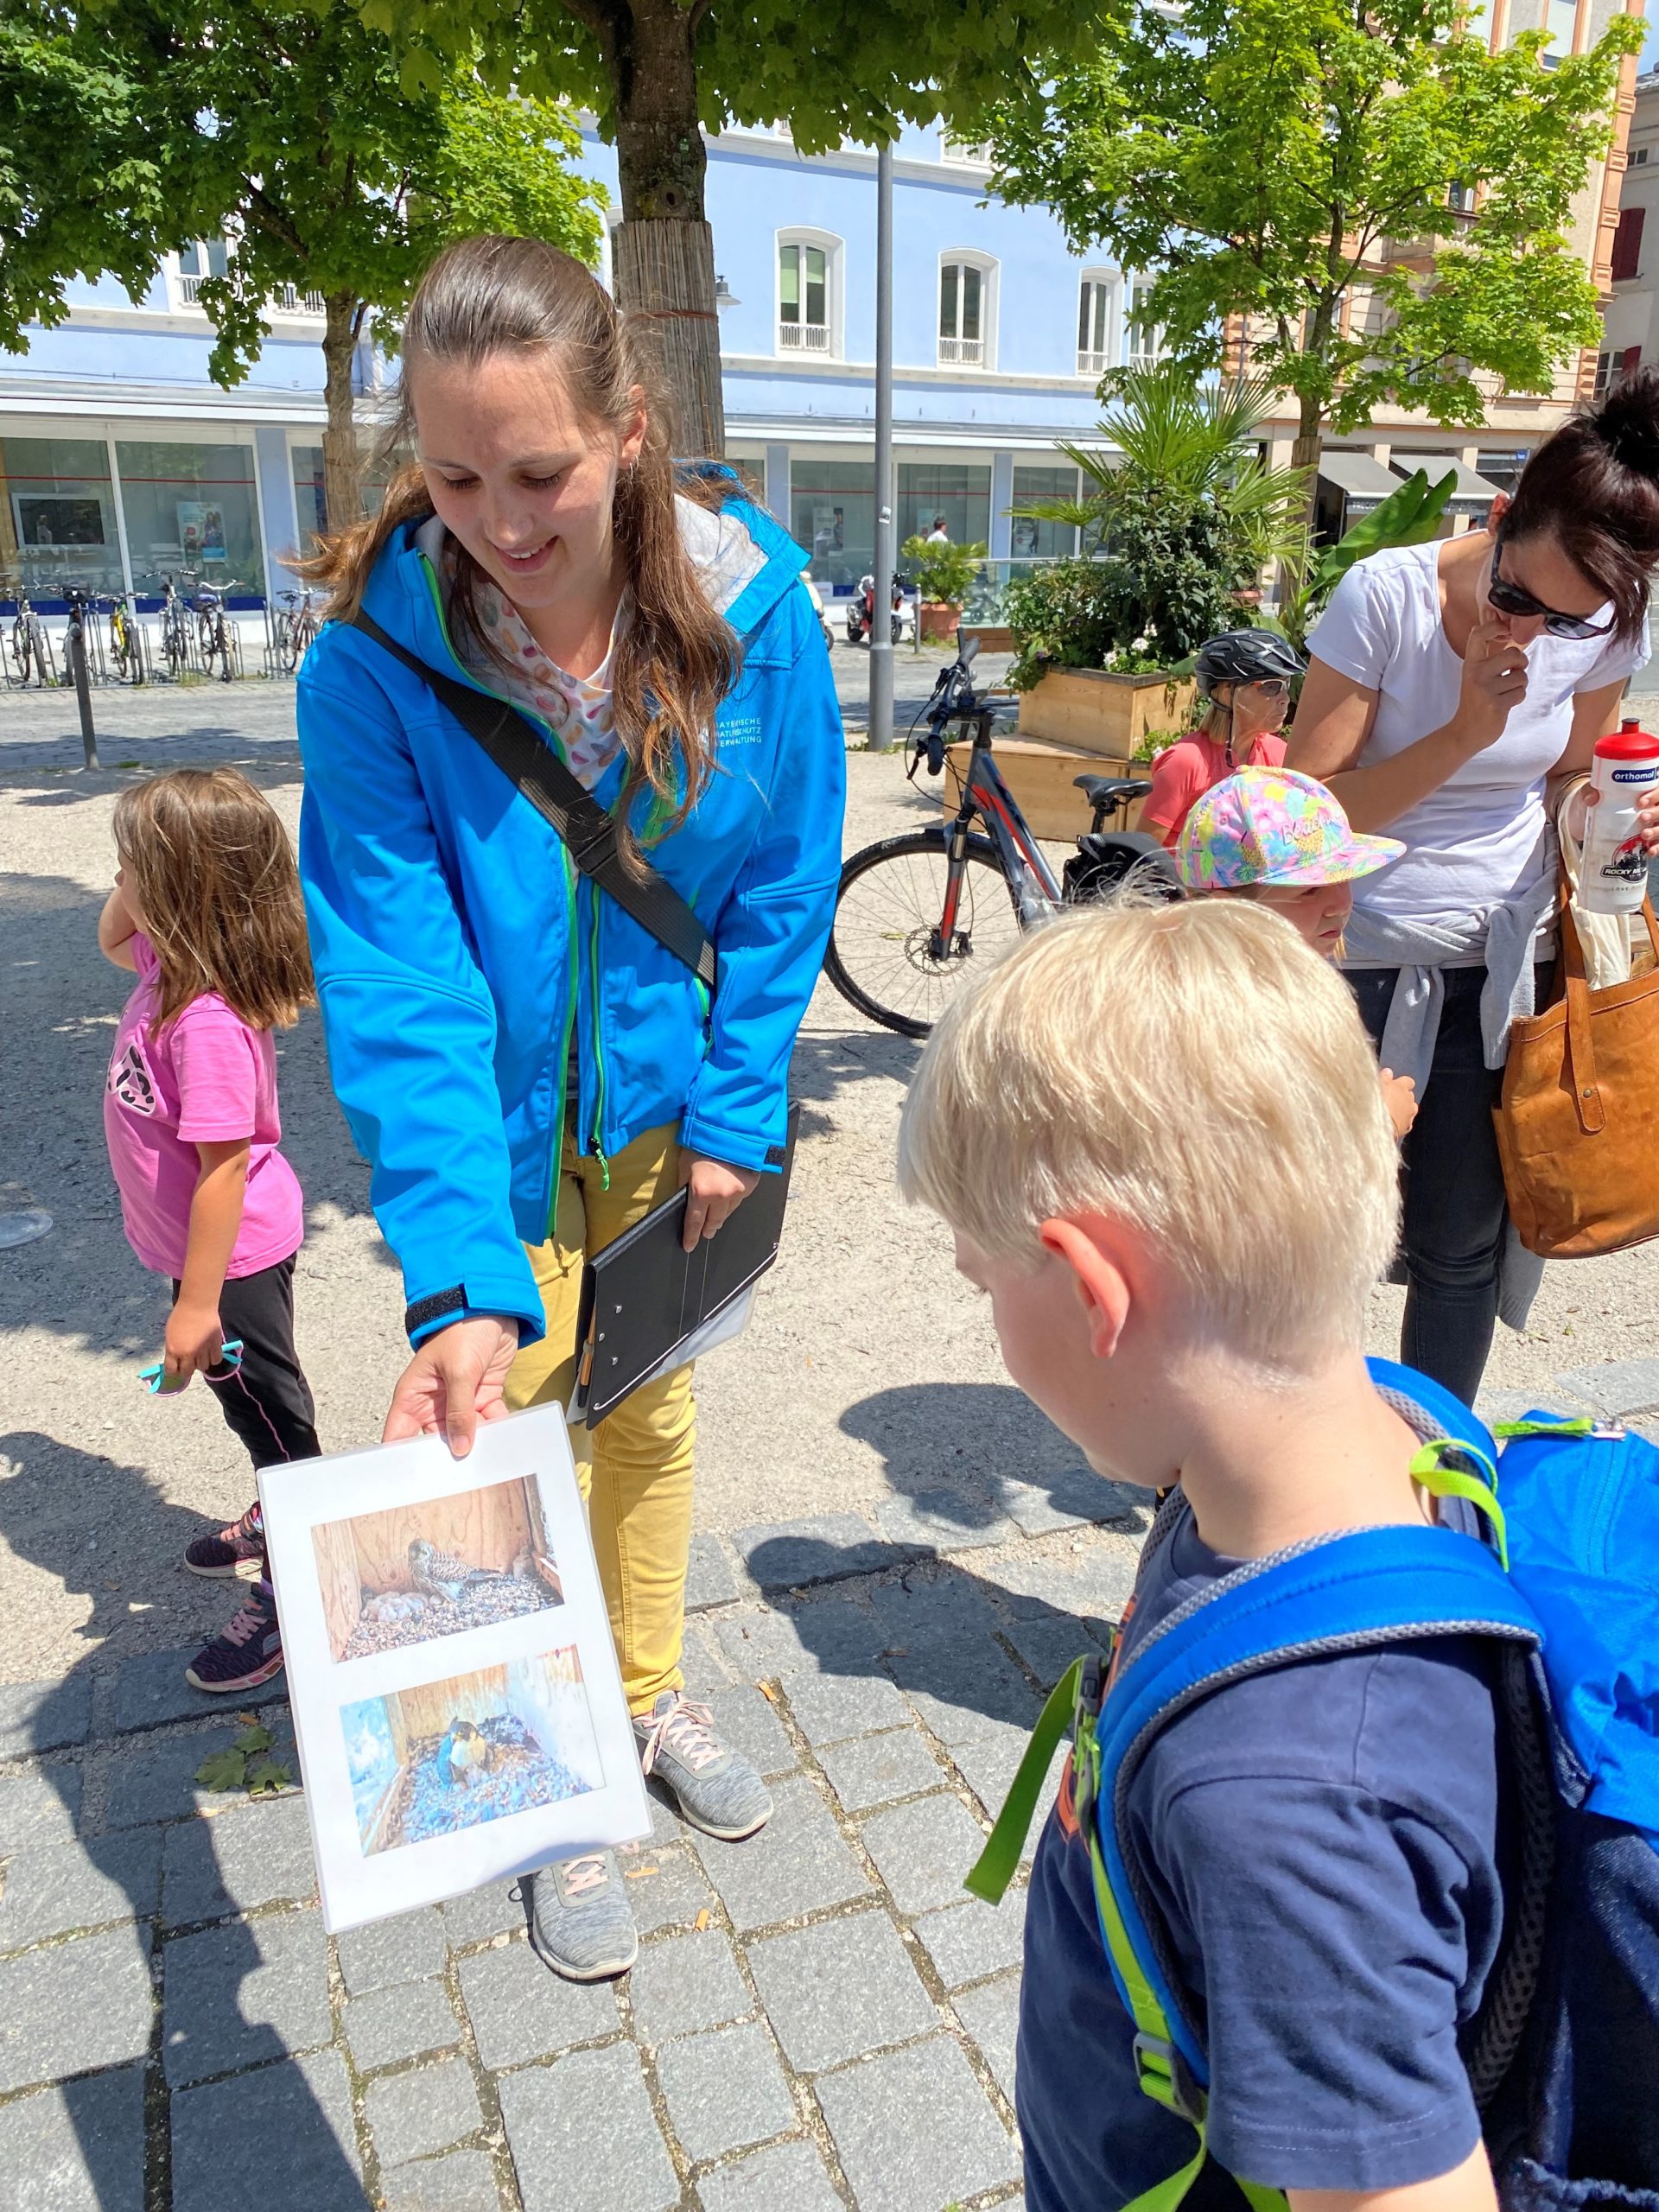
x=1244, y=678
x=1452, y=688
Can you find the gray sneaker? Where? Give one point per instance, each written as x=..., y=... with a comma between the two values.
x=715, y=1787
x=580, y=1923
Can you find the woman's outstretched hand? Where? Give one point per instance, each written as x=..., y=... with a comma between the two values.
x=454, y=1382
x=716, y=1190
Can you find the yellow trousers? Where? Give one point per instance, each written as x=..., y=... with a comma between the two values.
x=635, y=1467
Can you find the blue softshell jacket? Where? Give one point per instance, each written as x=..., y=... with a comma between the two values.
x=455, y=945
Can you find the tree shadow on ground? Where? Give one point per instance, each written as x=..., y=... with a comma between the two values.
x=87, y=1522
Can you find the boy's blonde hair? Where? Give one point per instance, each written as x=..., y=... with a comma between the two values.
x=1197, y=1071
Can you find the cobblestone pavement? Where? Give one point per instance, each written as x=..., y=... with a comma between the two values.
x=818, y=2017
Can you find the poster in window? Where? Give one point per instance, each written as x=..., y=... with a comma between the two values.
x=201, y=531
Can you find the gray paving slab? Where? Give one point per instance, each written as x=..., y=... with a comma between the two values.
x=1049, y=1642
x=835, y=1631
x=749, y=1723
x=682, y=1983
x=913, y=2129
x=1069, y=1500
x=41, y=1806
x=296, y=2117
x=406, y=2021
x=970, y=1941
x=1615, y=1386
x=79, y=2148
x=1094, y=1584
x=820, y=1548
x=666, y=1887
x=156, y=1782
x=829, y=1707
x=462, y=2181
x=496, y=1909
x=237, y=1862
x=942, y=1520
x=428, y=2109
x=991, y=2016
x=785, y=2178
x=870, y=1770
x=150, y=1690
x=922, y=1851
x=725, y=2091
x=711, y=1580
x=60, y=1887
x=967, y=1690
x=702, y=1662
x=924, y=1609
x=563, y=2161
x=407, y=1949
x=44, y=1716
x=232, y=1996
x=798, y=1863
x=840, y=1988
x=74, y=2008
x=520, y=2011
x=988, y=1765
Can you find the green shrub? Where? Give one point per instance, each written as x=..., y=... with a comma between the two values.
x=942, y=572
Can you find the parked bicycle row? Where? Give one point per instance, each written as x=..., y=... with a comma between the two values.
x=194, y=634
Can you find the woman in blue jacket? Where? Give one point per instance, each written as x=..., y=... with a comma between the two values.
x=527, y=1070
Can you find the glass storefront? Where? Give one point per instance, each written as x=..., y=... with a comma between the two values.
x=57, y=517
x=832, y=515
x=191, y=512
x=1029, y=539
x=961, y=493
x=307, y=494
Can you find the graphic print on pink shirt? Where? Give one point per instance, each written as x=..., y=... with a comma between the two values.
x=207, y=1078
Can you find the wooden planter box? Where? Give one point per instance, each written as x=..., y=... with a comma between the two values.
x=1093, y=712
x=1041, y=779
x=994, y=637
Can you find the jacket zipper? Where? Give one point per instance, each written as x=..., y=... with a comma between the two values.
x=562, y=1071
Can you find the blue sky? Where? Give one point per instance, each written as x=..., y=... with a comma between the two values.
x=1651, y=51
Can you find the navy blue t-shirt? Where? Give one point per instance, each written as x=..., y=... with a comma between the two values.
x=1322, y=1844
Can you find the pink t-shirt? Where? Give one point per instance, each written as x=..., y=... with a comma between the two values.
x=208, y=1078
x=1191, y=768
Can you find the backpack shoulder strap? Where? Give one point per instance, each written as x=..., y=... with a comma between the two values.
x=587, y=831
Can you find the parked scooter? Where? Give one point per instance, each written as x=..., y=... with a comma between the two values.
x=860, y=609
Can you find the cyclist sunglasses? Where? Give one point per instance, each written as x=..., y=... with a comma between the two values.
x=1270, y=687
x=1511, y=599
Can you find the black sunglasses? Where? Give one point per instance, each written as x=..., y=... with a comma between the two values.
x=1511, y=599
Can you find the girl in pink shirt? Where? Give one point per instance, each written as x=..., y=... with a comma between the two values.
x=206, y=912
x=1245, y=678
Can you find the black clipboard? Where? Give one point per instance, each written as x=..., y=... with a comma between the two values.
x=648, y=1305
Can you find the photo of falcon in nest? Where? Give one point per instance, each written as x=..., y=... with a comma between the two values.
x=445, y=1595
x=476, y=1773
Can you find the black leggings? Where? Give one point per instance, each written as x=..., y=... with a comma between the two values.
x=266, y=1400
x=1455, y=1203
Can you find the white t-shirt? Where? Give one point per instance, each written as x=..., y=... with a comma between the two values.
x=1479, y=840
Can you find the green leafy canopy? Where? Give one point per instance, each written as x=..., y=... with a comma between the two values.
x=1268, y=157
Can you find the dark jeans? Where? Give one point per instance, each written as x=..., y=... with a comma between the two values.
x=1454, y=1204
x=266, y=1400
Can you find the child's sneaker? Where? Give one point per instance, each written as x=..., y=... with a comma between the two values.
x=247, y=1652
x=224, y=1554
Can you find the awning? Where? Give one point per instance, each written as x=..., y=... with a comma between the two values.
x=1475, y=493
x=1361, y=479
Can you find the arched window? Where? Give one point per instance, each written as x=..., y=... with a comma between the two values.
x=967, y=310
x=1099, y=295
x=810, y=293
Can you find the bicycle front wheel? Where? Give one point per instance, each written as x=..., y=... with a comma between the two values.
x=888, y=954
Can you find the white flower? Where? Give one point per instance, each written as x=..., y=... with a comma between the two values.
x=1142, y=642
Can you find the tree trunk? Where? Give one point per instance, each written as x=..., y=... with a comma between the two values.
x=342, y=476
x=663, y=251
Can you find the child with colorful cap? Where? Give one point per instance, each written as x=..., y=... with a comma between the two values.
x=1282, y=839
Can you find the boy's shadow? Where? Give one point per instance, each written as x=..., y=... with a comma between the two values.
x=47, y=1509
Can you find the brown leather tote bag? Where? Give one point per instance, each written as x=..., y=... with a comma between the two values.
x=1577, y=1129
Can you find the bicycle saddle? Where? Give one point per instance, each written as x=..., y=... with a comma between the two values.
x=1112, y=790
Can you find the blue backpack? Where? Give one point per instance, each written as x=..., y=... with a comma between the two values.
x=1563, y=2054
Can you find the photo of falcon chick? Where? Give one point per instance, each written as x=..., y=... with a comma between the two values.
x=439, y=1574
x=466, y=1753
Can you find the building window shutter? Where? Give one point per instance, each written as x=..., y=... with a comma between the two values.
x=1627, y=244
x=1629, y=361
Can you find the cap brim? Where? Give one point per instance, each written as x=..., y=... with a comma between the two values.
x=1357, y=855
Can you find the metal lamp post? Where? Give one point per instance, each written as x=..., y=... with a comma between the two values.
x=880, y=736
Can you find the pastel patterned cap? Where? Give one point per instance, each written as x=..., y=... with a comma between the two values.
x=1270, y=825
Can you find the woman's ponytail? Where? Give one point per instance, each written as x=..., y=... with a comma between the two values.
x=1594, y=488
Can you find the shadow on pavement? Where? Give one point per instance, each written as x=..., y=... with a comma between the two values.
x=953, y=1445
x=73, y=1515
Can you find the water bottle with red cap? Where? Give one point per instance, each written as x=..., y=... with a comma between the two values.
x=1613, y=876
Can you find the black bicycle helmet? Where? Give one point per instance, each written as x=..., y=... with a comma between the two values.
x=1245, y=656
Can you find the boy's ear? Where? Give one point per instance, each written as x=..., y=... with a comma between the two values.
x=1102, y=1284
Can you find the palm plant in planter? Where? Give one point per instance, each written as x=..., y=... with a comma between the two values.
x=943, y=574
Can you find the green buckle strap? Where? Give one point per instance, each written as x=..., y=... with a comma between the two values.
x=994, y=1869
x=1428, y=1468
x=1582, y=1427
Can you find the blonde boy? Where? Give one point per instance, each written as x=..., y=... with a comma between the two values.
x=1158, y=1138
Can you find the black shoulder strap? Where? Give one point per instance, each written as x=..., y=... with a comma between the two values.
x=587, y=831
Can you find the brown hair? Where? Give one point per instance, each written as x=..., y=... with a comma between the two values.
x=1594, y=487
x=676, y=659
x=214, y=873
